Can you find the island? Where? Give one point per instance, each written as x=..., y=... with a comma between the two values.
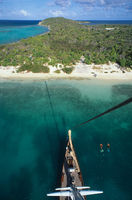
x=70, y=49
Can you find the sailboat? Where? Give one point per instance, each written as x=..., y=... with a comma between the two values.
x=72, y=186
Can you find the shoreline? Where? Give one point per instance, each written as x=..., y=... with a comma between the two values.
x=111, y=71
x=15, y=42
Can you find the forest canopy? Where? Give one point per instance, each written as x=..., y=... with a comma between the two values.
x=66, y=42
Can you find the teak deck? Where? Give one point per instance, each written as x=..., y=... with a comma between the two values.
x=71, y=174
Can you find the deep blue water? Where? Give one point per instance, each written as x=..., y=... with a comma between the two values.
x=15, y=30
x=18, y=22
x=32, y=146
x=97, y=22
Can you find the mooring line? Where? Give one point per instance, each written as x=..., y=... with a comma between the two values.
x=52, y=109
x=107, y=111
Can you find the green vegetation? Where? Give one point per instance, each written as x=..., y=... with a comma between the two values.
x=36, y=68
x=68, y=70
x=66, y=42
x=57, y=71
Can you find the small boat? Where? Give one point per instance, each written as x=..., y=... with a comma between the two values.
x=72, y=186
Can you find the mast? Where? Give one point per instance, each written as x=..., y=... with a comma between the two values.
x=71, y=179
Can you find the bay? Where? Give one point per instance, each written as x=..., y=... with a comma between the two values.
x=15, y=30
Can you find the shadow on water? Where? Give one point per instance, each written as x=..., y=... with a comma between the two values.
x=122, y=90
x=68, y=94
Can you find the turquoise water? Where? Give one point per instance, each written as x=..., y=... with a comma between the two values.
x=15, y=33
x=32, y=144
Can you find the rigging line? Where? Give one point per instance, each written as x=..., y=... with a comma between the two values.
x=107, y=111
x=52, y=109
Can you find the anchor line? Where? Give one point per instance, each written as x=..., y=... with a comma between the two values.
x=52, y=109
x=107, y=111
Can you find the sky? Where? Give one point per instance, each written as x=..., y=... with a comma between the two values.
x=72, y=9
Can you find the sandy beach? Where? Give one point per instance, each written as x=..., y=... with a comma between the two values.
x=81, y=70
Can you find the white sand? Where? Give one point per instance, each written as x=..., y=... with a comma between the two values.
x=81, y=70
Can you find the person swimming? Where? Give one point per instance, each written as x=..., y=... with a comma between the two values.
x=101, y=148
x=108, y=147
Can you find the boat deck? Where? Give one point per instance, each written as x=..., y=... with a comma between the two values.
x=71, y=174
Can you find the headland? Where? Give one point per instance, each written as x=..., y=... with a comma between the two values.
x=70, y=50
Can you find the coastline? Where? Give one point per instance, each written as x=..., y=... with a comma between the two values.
x=19, y=40
x=81, y=71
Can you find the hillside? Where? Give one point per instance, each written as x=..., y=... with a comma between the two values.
x=66, y=42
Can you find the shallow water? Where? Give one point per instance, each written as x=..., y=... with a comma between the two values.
x=9, y=34
x=33, y=138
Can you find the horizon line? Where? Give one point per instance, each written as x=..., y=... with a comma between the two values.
x=67, y=18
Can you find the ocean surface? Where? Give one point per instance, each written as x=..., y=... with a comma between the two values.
x=33, y=138
x=108, y=22
x=15, y=30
